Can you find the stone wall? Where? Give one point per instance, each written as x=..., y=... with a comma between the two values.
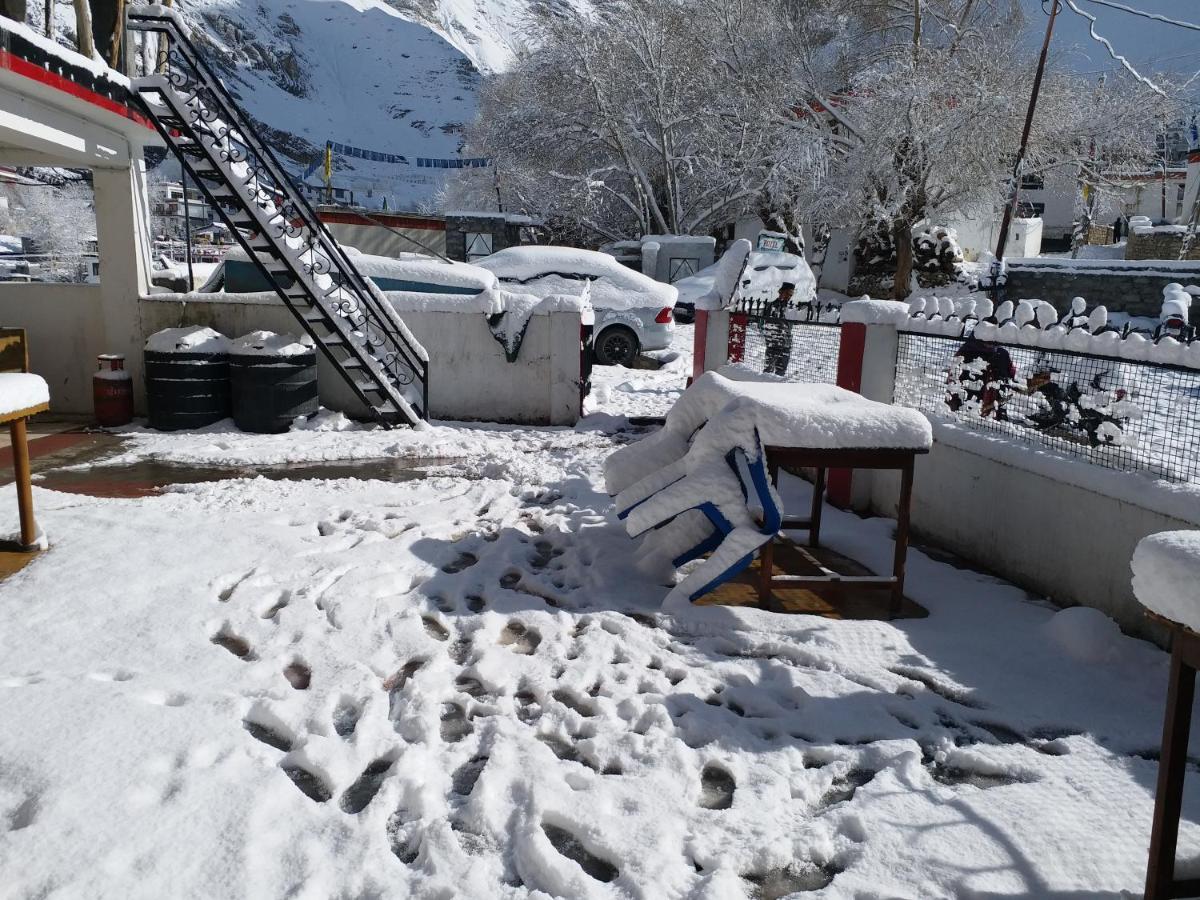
x=1133, y=287
x=1159, y=245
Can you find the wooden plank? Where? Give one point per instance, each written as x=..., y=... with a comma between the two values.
x=25, y=413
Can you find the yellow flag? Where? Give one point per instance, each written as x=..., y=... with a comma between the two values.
x=328, y=162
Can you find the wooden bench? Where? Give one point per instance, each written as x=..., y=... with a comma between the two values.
x=14, y=374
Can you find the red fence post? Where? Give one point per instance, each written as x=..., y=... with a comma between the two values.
x=851, y=349
x=699, y=343
x=737, y=337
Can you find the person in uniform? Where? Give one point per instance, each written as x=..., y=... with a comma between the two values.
x=777, y=332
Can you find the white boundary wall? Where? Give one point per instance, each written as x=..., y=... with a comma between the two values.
x=469, y=376
x=1062, y=528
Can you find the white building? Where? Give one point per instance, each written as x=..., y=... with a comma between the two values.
x=169, y=207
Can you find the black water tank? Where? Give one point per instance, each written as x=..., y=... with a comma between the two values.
x=187, y=378
x=273, y=379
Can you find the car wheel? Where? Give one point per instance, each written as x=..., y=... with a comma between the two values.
x=616, y=346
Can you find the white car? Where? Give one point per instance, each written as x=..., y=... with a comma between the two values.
x=766, y=271
x=633, y=311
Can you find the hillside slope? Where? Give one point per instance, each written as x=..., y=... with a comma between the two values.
x=352, y=71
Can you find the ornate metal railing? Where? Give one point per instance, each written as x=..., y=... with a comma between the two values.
x=221, y=150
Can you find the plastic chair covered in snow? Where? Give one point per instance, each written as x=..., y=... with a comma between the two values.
x=721, y=502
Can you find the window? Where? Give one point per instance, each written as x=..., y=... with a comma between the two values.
x=1027, y=210
x=1033, y=183
x=681, y=267
x=479, y=245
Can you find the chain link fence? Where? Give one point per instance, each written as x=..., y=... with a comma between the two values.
x=1121, y=414
x=798, y=342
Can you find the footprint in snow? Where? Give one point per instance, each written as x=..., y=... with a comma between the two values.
x=797, y=878
x=358, y=796
x=272, y=736
x=716, y=788
x=346, y=716
x=298, y=674
x=476, y=603
x=310, y=784
x=25, y=813
x=435, y=629
x=570, y=846
x=520, y=639
x=844, y=787
x=405, y=842
x=462, y=782
x=461, y=562
x=238, y=646
x=454, y=723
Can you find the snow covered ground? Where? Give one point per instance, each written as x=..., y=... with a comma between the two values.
x=457, y=686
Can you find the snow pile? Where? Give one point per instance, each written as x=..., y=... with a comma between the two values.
x=723, y=278
x=1166, y=576
x=20, y=390
x=546, y=271
x=268, y=343
x=874, y=312
x=461, y=686
x=190, y=339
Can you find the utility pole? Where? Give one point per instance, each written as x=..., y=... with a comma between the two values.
x=1011, y=206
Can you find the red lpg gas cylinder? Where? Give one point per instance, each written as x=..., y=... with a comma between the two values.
x=112, y=391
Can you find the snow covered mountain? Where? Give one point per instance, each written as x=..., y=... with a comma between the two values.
x=390, y=76
x=489, y=32
x=356, y=73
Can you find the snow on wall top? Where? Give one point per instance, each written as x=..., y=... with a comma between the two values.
x=412, y=267
x=97, y=67
x=1166, y=573
x=874, y=312
x=541, y=271
x=191, y=339
x=19, y=390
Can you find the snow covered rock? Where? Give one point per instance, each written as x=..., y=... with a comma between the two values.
x=1166, y=576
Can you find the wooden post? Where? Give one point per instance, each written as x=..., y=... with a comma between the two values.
x=83, y=29
x=1168, y=798
x=814, y=517
x=20, y=449
x=902, y=512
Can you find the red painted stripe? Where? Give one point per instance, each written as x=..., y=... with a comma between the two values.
x=851, y=350
x=16, y=64
x=349, y=218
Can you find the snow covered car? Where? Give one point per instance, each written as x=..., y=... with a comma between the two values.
x=414, y=272
x=765, y=271
x=633, y=311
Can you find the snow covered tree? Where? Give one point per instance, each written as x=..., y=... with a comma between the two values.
x=59, y=220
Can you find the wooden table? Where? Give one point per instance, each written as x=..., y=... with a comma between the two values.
x=1161, y=882
x=14, y=357
x=823, y=460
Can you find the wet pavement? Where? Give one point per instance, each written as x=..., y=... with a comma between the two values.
x=147, y=477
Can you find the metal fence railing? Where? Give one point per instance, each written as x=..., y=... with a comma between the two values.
x=1117, y=413
x=801, y=344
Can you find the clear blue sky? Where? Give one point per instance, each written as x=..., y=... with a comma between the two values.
x=1150, y=46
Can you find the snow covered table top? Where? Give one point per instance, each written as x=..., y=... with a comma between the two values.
x=21, y=393
x=825, y=417
x=1166, y=576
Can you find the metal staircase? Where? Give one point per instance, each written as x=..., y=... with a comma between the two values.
x=347, y=316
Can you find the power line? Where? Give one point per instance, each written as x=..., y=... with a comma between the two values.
x=1111, y=50
x=1146, y=15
